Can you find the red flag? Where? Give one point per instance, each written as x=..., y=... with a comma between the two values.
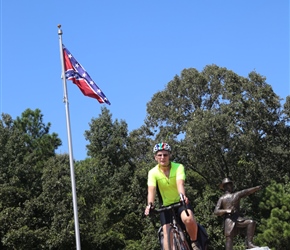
x=76, y=73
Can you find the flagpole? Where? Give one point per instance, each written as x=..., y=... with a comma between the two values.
x=65, y=100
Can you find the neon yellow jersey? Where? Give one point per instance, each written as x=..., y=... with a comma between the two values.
x=167, y=186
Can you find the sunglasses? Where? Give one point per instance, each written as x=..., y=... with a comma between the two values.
x=160, y=155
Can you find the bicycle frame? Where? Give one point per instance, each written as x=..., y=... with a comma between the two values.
x=177, y=239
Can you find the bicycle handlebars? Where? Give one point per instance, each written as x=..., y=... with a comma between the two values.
x=175, y=205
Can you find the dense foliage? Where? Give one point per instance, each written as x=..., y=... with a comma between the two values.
x=219, y=125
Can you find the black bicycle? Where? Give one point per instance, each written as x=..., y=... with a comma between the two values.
x=178, y=238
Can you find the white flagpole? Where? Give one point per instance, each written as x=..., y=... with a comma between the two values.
x=65, y=100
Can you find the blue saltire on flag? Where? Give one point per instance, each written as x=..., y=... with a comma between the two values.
x=76, y=73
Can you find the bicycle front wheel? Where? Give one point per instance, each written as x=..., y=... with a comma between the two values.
x=176, y=240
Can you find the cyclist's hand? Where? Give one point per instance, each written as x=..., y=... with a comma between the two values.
x=186, y=200
x=148, y=209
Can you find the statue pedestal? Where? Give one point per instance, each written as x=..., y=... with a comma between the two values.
x=261, y=248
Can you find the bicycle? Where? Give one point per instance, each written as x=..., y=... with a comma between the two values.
x=178, y=238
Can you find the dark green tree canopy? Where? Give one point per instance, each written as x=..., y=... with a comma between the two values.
x=26, y=146
x=220, y=123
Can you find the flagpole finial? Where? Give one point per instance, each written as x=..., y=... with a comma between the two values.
x=59, y=30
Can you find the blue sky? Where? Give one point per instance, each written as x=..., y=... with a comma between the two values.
x=131, y=49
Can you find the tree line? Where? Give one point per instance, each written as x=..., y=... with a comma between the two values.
x=219, y=125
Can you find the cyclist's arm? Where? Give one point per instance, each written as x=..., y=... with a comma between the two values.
x=151, y=195
x=180, y=178
x=180, y=187
x=150, y=199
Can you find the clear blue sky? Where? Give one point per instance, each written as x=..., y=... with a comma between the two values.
x=131, y=49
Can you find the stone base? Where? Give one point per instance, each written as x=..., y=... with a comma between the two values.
x=261, y=248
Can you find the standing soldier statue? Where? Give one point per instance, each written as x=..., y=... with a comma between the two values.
x=229, y=206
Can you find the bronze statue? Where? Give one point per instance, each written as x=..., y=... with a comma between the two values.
x=229, y=206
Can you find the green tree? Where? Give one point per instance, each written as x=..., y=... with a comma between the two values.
x=54, y=207
x=275, y=223
x=25, y=145
x=111, y=171
x=221, y=124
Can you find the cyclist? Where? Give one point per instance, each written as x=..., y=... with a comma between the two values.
x=167, y=178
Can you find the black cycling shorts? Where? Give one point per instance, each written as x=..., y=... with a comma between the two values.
x=166, y=216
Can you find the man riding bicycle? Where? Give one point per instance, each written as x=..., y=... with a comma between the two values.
x=168, y=179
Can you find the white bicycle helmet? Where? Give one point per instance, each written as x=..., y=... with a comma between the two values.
x=161, y=146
